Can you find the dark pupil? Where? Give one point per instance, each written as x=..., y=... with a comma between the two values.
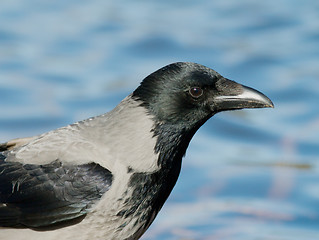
x=196, y=92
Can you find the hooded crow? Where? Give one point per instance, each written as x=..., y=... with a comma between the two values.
x=108, y=176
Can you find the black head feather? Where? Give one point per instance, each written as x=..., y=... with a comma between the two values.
x=165, y=93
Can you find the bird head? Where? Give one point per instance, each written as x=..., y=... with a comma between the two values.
x=187, y=94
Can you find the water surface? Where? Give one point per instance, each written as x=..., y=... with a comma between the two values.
x=249, y=174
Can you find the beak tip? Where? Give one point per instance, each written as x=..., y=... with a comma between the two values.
x=272, y=105
x=269, y=103
x=260, y=99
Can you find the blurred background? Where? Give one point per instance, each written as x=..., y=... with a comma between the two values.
x=248, y=175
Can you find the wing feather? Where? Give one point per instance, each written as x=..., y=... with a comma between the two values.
x=37, y=196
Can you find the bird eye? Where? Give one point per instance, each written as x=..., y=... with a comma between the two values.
x=196, y=92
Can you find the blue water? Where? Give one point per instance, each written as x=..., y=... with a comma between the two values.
x=247, y=175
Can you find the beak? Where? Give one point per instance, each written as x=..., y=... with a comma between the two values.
x=239, y=97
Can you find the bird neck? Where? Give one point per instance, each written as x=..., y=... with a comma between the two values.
x=173, y=140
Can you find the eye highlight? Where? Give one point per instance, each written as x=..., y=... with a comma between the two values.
x=196, y=92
